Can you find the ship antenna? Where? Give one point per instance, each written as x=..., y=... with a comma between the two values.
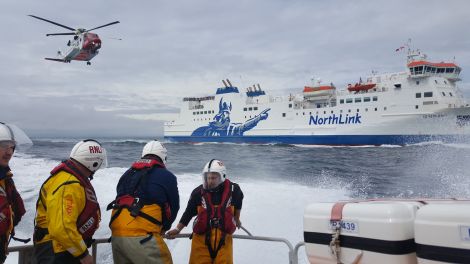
x=225, y=83
x=229, y=83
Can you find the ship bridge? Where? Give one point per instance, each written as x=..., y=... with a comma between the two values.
x=420, y=67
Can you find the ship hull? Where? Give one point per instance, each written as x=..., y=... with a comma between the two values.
x=333, y=140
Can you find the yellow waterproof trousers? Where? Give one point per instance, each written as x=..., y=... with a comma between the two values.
x=200, y=252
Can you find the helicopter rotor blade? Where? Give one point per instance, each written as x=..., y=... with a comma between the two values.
x=109, y=24
x=52, y=22
x=60, y=34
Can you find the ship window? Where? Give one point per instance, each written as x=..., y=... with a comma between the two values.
x=374, y=98
x=385, y=108
x=324, y=112
x=427, y=94
x=283, y=114
x=417, y=82
x=290, y=105
x=194, y=113
x=250, y=116
x=440, y=70
x=357, y=110
x=332, y=112
x=255, y=108
x=341, y=101
x=205, y=112
x=416, y=106
x=443, y=94
x=435, y=81
x=412, y=71
x=449, y=70
x=244, y=109
x=366, y=99
x=250, y=108
x=419, y=70
x=340, y=111
x=375, y=109
x=310, y=113
x=357, y=99
x=245, y=117
x=428, y=69
x=433, y=70
x=445, y=82
x=349, y=100
x=418, y=95
x=349, y=110
x=295, y=114
x=367, y=109
x=450, y=94
x=303, y=113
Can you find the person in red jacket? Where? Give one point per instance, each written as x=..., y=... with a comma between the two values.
x=217, y=203
x=11, y=204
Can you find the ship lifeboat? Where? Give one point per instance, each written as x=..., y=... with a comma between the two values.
x=361, y=87
x=319, y=90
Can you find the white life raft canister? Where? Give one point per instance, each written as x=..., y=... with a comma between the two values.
x=371, y=232
x=442, y=233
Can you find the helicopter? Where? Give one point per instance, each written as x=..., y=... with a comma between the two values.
x=83, y=47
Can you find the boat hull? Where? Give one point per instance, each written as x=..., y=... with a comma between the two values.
x=354, y=140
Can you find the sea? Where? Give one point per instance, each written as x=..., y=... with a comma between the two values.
x=278, y=182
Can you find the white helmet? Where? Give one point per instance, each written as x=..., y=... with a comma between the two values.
x=90, y=154
x=214, y=166
x=155, y=147
x=6, y=134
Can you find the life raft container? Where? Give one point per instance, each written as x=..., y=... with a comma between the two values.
x=388, y=231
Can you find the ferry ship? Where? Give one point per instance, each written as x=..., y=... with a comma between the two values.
x=420, y=104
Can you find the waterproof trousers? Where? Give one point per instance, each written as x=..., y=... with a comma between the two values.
x=200, y=252
x=44, y=254
x=137, y=250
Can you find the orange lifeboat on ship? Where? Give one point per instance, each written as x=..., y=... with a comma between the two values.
x=319, y=90
x=360, y=87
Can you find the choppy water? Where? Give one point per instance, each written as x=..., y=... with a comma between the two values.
x=278, y=181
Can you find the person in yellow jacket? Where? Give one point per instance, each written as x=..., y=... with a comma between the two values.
x=217, y=203
x=67, y=211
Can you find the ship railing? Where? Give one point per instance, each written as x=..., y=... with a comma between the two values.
x=26, y=252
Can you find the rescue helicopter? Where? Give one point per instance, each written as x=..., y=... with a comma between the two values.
x=83, y=47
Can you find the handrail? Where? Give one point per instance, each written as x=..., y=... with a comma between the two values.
x=26, y=251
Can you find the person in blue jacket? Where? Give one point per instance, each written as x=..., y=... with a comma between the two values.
x=146, y=205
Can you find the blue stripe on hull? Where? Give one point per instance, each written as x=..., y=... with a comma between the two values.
x=328, y=140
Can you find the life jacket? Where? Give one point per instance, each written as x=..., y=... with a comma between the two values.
x=11, y=206
x=88, y=220
x=128, y=195
x=211, y=216
x=11, y=211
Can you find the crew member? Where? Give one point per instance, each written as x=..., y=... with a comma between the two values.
x=67, y=211
x=11, y=204
x=146, y=205
x=217, y=204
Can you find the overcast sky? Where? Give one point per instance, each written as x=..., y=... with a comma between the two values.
x=172, y=49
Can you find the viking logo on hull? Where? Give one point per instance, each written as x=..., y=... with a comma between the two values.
x=335, y=120
x=221, y=125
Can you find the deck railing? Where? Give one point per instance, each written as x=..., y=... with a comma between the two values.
x=25, y=253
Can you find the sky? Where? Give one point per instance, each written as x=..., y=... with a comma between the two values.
x=172, y=49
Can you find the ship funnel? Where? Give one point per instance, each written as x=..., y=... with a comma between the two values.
x=254, y=88
x=259, y=87
x=230, y=84
x=226, y=86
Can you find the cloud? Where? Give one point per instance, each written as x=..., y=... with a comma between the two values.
x=175, y=49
